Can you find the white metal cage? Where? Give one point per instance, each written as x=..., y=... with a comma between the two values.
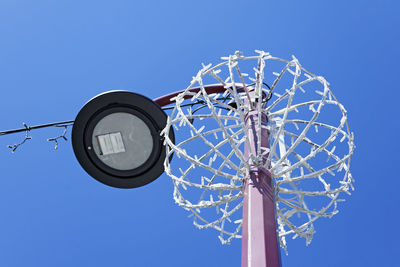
x=310, y=144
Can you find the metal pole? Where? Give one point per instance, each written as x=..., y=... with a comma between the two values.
x=259, y=237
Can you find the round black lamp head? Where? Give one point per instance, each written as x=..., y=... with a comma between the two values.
x=116, y=139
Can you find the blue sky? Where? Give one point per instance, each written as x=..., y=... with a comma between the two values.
x=55, y=55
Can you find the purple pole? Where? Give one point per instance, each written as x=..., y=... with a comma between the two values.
x=259, y=238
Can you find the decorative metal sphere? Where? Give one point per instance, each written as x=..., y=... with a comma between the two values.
x=309, y=137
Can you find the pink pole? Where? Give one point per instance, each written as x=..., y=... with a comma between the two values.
x=259, y=237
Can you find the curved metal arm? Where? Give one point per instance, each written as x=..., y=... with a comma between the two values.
x=210, y=89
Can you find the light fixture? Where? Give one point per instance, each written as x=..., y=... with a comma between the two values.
x=116, y=139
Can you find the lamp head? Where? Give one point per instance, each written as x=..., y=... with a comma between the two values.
x=116, y=139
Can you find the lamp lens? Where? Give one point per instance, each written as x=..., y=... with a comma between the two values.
x=122, y=141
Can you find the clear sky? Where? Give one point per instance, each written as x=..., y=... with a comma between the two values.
x=55, y=55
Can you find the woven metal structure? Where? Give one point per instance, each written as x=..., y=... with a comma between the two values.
x=309, y=151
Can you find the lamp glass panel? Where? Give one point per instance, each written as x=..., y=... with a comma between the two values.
x=122, y=141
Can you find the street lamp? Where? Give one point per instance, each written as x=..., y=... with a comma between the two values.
x=251, y=149
x=116, y=139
